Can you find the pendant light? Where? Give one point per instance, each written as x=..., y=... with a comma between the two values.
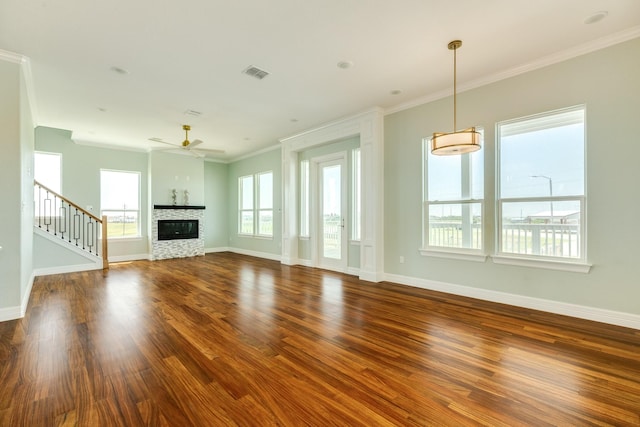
x=456, y=142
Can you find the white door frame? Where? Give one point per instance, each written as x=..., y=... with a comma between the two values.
x=317, y=258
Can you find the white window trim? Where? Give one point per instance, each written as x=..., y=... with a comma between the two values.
x=259, y=209
x=255, y=210
x=356, y=195
x=139, y=210
x=549, y=264
x=304, y=200
x=240, y=208
x=578, y=265
x=465, y=254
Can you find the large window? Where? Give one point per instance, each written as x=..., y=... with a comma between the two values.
x=304, y=198
x=255, y=200
x=453, y=202
x=356, y=194
x=47, y=170
x=541, y=185
x=120, y=202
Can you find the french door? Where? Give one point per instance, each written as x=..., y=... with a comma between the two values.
x=331, y=213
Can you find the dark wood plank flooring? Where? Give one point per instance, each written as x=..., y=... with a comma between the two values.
x=227, y=339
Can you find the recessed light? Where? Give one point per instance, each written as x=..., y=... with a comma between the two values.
x=119, y=70
x=102, y=109
x=294, y=120
x=345, y=64
x=596, y=17
x=396, y=92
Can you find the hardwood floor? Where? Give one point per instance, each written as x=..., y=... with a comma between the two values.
x=232, y=340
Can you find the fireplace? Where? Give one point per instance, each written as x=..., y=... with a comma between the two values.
x=173, y=229
x=177, y=231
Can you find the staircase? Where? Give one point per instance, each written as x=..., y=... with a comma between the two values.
x=69, y=224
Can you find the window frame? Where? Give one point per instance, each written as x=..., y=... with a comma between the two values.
x=356, y=195
x=576, y=264
x=466, y=197
x=304, y=199
x=255, y=209
x=124, y=210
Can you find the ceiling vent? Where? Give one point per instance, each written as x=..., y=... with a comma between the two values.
x=256, y=72
x=193, y=113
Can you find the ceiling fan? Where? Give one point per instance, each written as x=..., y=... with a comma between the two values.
x=188, y=145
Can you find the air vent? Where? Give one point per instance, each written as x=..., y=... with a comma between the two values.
x=256, y=72
x=193, y=113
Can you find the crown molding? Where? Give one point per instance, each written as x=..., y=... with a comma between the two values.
x=583, y=49
x=25, y=68
x=96, y=144
x=7, y=56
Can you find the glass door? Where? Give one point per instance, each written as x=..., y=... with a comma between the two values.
x=332, y=214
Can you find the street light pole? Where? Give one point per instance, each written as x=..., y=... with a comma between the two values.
x=550, y=193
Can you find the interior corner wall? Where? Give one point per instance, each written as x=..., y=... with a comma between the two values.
x=11, y=239
x=216, y=196
x=27, y=144
x=259, y=246
x=607, y=81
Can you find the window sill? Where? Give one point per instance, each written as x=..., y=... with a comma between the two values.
x=123, y=238
x=575, y=267
x=460, y=254
x=255, y=236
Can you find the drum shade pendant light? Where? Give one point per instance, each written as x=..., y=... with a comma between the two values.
x=456, y=142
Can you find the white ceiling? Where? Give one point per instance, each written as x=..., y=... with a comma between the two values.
x=190, y=54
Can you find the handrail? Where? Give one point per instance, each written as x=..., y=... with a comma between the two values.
x=69, y=201
x=102, y=221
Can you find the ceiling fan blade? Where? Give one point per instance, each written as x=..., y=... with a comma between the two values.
x=194, y=143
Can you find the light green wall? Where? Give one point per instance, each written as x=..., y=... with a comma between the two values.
x=26, y=189
x=304, y=245
x=81, y=166
x=264, y=162
x=179, y=171
x=10, y=187
x=608, y=83
x=216, y=199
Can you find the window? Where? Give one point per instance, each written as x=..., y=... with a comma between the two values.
x=304, y=198
x=120, y=202
x=541, y=186
x=47, y=170
x=255, y=211
x=453, y=202
x=355, y=194
x=245, y=188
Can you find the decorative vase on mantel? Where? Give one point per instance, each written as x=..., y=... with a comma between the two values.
x=174, y=197
x=186, y=197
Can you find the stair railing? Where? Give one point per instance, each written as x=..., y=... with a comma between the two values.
x=62, y=218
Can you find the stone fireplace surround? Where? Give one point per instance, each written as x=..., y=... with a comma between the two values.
x=165, y=249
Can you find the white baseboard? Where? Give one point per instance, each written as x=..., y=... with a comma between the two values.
x=627, y=320
x=18, y=312
x=266, y=255
x=27, y=294
x=46, y=271
x=10, y=313
x=213, y=250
